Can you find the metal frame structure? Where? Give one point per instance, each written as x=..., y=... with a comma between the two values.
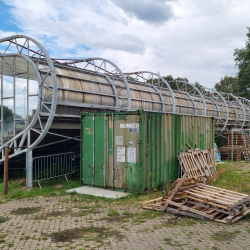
x=67, y=87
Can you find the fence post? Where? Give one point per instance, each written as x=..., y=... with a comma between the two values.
x=6, y=171
x=29, y=170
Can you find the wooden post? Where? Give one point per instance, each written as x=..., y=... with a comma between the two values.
x=6, y=170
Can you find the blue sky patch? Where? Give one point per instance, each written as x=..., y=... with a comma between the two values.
x=6, y=21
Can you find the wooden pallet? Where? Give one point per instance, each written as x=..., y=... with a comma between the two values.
x=191, y=197
x=198, y=162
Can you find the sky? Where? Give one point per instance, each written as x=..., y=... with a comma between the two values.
x=185, y=38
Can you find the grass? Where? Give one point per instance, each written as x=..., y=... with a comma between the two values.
x=225, y=235
x=235, y=178
x=53, y=187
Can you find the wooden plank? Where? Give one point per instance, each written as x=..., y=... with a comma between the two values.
x=209, y=198
x=213, y=194
x=175, y=190
x=208, y=206
x=146, y=203
x=186, y=208
x=176, y=211
x=216, y=175
x=229, y=191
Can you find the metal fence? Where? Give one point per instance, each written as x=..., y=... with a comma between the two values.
x=52, y=166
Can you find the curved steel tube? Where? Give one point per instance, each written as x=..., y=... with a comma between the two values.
x=39, y=79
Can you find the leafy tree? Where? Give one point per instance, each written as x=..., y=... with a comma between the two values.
x=8, y=118
x=242, y=59
x=228, y=84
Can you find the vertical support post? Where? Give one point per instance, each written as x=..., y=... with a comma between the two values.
x=93, y=170
x=105, y=150
x=28, y=92
x=164, y=173
x=14, y=101
x=113, y=170
x=6, y=171
x=232, y=143
x=2, y=101
x=29, y=170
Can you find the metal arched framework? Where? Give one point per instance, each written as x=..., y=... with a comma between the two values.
x=112, y=73
x=26, y=49
x=193, y=92
x=222, y=108
x=237, y=113
x=66, y=87
x=167, y=99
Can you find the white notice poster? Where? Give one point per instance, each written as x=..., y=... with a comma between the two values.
x=120, y=154
x=119, y=140
x=132, y=155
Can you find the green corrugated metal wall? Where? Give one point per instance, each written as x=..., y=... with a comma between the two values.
x=160, y=137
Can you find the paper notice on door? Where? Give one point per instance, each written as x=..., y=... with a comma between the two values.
x=131, y=155
x=120, y=154
x=119, y=140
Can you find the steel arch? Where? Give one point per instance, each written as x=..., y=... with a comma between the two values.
x=193, y=94
x=161, y=80
x=236, y=101
x=212, y=95
x=114, y=74
x=43, y=54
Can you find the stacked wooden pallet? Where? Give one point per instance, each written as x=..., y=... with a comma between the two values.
x=225, y=152
x=238, y=139
x=198, y=162
x=241, y=147
x=195, y=198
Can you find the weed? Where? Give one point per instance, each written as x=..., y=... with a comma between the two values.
x=26, y=210
x=88, y=233
x=215, y=248
x=225, y=235
x=113, y=213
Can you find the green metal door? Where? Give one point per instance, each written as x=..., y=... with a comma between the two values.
x=93, y=149
x=87, y=149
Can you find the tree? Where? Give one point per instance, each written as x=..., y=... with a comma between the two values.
x=8, y=118
x=228, y=84
x=242, y=59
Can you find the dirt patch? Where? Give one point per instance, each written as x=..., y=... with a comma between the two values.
x=54, y=213
x=225, y=235
x=97, y=234
x=114, y=216
x=180, y=221
x=26, y=210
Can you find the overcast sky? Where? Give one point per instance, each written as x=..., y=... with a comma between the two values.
x=186, y=38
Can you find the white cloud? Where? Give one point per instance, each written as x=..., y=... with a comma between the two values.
x=196, y=41
x=21, y=96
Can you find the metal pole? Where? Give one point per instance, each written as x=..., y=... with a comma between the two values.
x=2, y=102
x=164, y=169
x=232, y=142
x=29, y=179
x=93, y=171
x=113, y=171
x=6, y=170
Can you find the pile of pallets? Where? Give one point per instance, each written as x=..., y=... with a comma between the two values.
x=198, y=162
x=195, y=198
x=238, y=139
x=241, y=148
x=225, y=152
